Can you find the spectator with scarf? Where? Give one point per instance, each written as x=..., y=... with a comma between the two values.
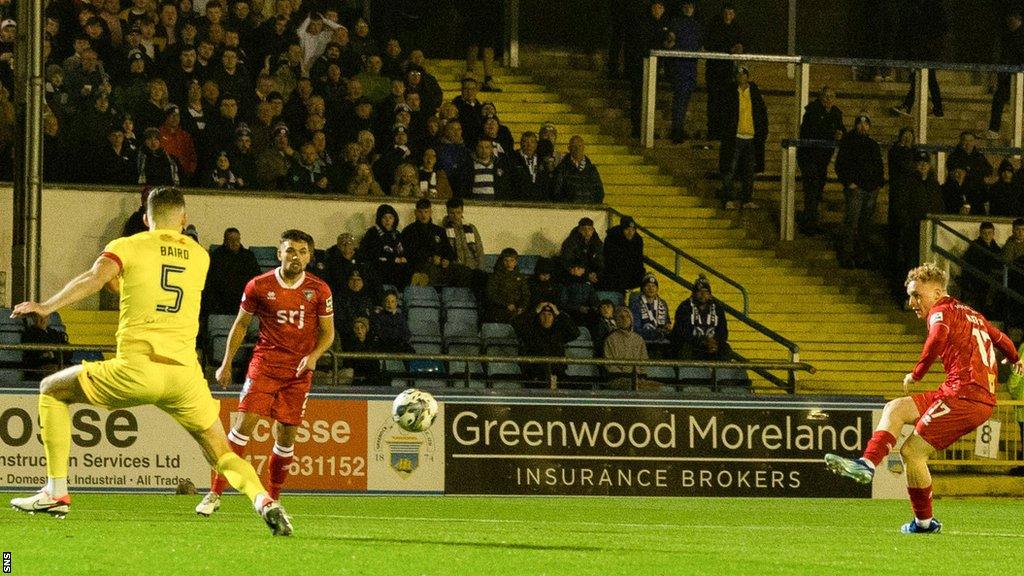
x=701, y=330
x=650, y=313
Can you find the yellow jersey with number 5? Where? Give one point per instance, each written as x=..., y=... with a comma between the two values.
x=161, y=283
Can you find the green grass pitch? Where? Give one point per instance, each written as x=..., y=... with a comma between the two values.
x=408, y=536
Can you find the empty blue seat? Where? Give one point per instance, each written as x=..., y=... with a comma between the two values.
x=528, y=263
x=735, y=374
x=423, y=296
x=467, y=348
x=583, y=339
x=454, y=297
x=694, y=373
x=489, y=261
x=497, y=333
x=418, y=315
x=661, y=372
x=266, y=257
x=465, y=316
x=9, y=377
x=581, y=370
x=394, y=366
x=78, y=356
x=219, y=324
x=502, y=369
x=10, y=337
x=615, y=296
x=426, y=348
x=426, y=367
x=459, y=331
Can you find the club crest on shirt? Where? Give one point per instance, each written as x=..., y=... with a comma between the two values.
x=935, y=318
x=308, y=294
x=271, y=295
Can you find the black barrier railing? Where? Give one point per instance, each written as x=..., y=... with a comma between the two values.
x=335, y=357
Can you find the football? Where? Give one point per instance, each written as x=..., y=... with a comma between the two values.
x=414, y=410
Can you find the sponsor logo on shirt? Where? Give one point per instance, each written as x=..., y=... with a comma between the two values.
x=935, y=319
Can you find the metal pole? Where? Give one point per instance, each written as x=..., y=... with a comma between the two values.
x=511, y=56
x=650, y=95
x=1018, y=108
x=922, y=106
x=28, y=155
x=803, y=93
x=787, y=219
x=940, y=166
x=791, y=36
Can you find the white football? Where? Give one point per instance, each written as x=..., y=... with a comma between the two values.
x=414, y=410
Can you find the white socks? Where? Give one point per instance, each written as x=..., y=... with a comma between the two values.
x=57, y=487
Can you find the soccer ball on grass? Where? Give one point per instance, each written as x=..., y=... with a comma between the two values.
x=414, y=410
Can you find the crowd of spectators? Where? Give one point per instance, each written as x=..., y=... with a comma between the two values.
x=296, y=95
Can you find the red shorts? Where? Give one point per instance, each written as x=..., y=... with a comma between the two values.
x=276, y=393
x=944, y=419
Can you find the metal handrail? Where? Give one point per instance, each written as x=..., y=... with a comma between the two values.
x=837, y=61
x=680, y=253
x=987, y=277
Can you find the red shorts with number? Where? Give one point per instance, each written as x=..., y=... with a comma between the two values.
x=944, y=419
x=276, y=393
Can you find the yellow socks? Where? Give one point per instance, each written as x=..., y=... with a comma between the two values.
x=56, y=432
x=241, y=475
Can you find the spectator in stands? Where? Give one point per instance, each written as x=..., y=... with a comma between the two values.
x=315, y=33
x=622, y=18
x=922, y=34
x=151, y=114
x=136, y=222
x=507, y=291
x=543, y=285
x=583, y=245
x=407, y=182
x=427, y=248
x=685, y=33
x=481, y=24
x=649, y=33
x=117, y=161
x=983, y=255
x=966, y=155
x=606, y=324
x=389, y=329
x=83, y=79
x=488, y=180
x=419, y=81
x=650, y=313
x=386, y=166
x=433, y=182
x=531, y=178
x=622, y=343
x=625, y=248
x=547, y=146
x=156, y=168
x=381, y=248
x=1005, y=195
x=725, y=34
x=744, y=130
x=273, y=164
x=232, y=265
x=1011, y=52
x=823, y=120
x=902, y=162
x=544, y=333
x=859, y=168
x=920, y=195
x=356, y=338
x=178, y=143
x=576, y=179
x=957, y=194
x=701, y=330
x=221, y=176
x=455, y=160
x=469, y=107
x=463, y=237
x=306, y=173
x=1013, y=254
x=579, y=297
x=243, y=159
x=363, y=183
x=354, y=301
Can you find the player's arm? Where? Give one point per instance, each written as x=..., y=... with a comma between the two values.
x=932, y=348
x=103, y=271
x=1005, y=345
x=235, y=338
x=324, y=339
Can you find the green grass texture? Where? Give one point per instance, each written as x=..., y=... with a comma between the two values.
x=428, y=535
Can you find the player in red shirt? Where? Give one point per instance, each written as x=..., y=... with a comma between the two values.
x=964, y=340
x=295, y=311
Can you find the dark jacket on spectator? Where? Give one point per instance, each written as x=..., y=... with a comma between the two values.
x=226, y=280
x=157, y=168
x=628, y=257
x=348, y=306
x=1007, y=199
x=504, y=288
x=535, y=340
x=365, y=372
x=692, y=325
x=529, y=185
x=978, y=168
x=379, y=248
x=390, y=331
x=819, y=124
x=860, y=162
x=424, y=241
x=576, y=249
x=118, y=166
x=571, y=183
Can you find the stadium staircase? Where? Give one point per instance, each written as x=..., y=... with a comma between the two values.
x=846, y=322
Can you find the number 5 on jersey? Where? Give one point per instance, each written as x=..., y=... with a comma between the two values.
x=165, y=282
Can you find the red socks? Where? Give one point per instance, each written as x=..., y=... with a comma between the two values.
x=879, y=446
x=921, y=502
x=237, y=443
x=280, y=459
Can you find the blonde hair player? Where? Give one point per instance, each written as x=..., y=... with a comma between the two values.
x=160, y=275
x=965, y=341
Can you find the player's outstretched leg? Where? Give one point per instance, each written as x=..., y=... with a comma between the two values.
x=857, y=470
x=56, y=392
x=281, y=458
x=916, y=451
x=895, y=414
x=241, y=475
x=210, y=503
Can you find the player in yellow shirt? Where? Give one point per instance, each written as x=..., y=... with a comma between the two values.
x=160, y=276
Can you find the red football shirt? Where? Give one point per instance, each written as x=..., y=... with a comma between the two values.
x=289, y=317
x=964, y=339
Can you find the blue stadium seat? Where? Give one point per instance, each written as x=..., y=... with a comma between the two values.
x=581, y=370
x=615, y=296
x=266, y=257
x=528, y=263
x=418, y=315
x=731, y=374
x=219, y=324
x=463, y=316
x=10, y=337
x=453, y=297
x=10, y=377
x=694, y=373
x=421, y=296
x=394, y=366
x=425, y=347
x=426, y=367
x=78, y=356
x=465, y=348
x=489, y=261
x=661, y=372
x=459, y=332
x=583, y=338
x=495, y=333
x=501, y=368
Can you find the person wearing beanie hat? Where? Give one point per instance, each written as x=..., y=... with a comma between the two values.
x=860, y=170
x=507, y=292
x=651, y=316
x=381, y=248
x=357, y=338
x=584, y=245
x=1004, y=195
x=155, y=166
x=623, y=246
x=701, y=329
x=544, y=287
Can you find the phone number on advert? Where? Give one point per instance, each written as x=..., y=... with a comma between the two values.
x=318, y=465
